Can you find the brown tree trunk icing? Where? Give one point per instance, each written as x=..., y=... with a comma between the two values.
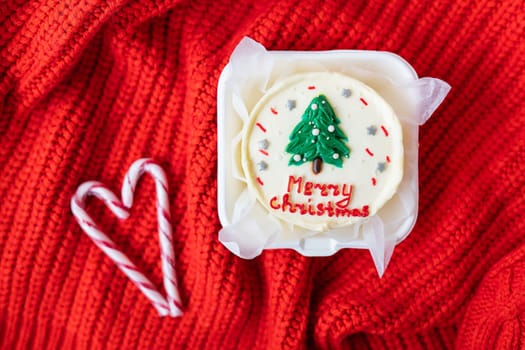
x=317, y=165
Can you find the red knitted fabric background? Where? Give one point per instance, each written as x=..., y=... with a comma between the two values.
x=87, y=87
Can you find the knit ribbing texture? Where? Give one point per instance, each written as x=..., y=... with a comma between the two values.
x=87, y=87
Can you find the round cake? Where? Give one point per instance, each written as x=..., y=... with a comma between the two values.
x=322, y=150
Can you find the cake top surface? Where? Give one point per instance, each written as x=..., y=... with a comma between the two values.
x=322, y=150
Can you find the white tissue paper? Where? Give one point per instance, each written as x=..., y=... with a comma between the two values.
x=248, y=228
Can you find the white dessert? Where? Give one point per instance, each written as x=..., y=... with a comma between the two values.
x=322, y=150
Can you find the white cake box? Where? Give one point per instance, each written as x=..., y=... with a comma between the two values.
x=248, y=227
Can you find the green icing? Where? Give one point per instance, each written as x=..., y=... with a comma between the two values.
x=318, y=135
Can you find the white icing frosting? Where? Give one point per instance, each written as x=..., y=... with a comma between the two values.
x=337, y=196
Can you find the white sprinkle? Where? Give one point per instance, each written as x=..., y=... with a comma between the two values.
x=297, y=157
x=335, y=156
x=314, y=106
x=331, y=128
x=315, y=132
x=323, y=102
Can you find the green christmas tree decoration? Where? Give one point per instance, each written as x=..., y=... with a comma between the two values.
x=317, y=138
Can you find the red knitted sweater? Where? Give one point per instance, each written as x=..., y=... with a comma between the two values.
x=87, y=87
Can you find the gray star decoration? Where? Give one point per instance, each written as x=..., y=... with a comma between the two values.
x=346, y=93
x=263, y=144
x=261, y=166
x=381, y=167
x=371, y=130
x=290, y=104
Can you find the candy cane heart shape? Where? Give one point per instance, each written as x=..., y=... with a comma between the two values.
x=171, y=305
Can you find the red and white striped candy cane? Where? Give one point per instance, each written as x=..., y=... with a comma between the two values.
x=136, y=170
x=172, y=306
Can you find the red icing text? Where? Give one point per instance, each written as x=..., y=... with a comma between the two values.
x=331, y=208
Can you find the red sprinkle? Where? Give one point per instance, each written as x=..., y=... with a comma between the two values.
x=388, y=159
x=311, y=87
x=260, y=181
x=374, y=181
x=274, y=111
x=369, y=152
x=364, y=102
x=259, y=125
x=263, y=152
x=384, y=130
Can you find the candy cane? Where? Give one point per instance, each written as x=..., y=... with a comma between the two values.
x=171, y=306
x=136, y=170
